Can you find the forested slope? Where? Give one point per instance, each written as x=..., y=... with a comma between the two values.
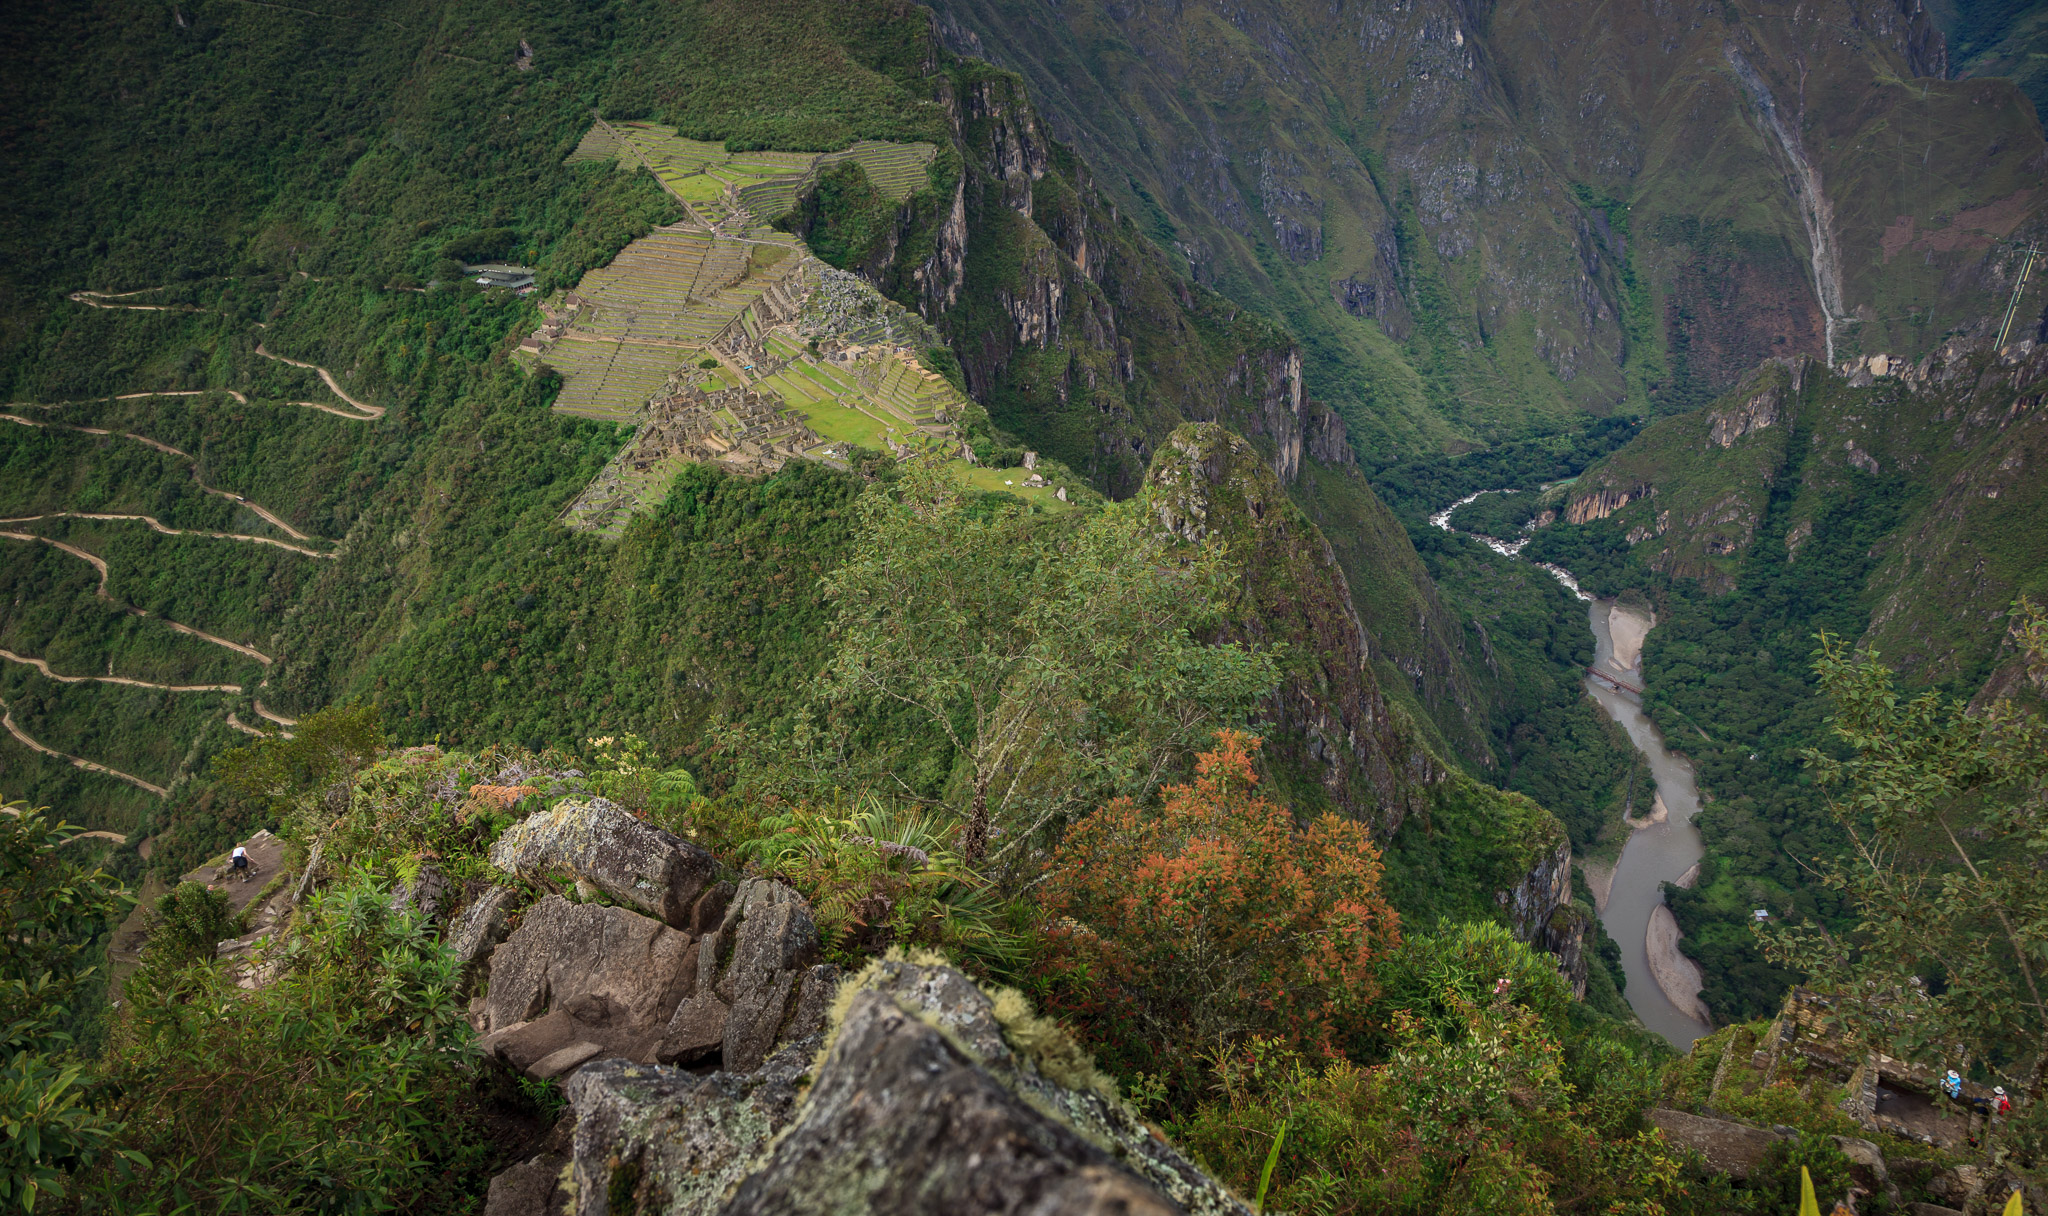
x=408, y=553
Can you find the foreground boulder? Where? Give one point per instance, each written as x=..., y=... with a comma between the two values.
x=601, y=843
x=931, y=1097
x=753, y=973
x=583, y=982
x=1735, y=1149
x=579, y=981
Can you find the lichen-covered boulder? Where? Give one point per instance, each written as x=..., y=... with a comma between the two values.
x=774, y=941
x=934, y=1096
x=601, y=843
x=675, y=1142
x=902, y=1120
x=1735, y=1149
x=563, y=952
x=479, y=929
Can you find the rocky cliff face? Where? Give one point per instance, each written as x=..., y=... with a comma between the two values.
x=1643, y=210
x=1951, y=440
x=1330, y=716
x=1541, y=911
x=1074, y=330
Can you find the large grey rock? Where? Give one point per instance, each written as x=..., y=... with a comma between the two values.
x=813, y=1001
x=1734, y=1149
x=531, y=1188
x=563, y=951
x=923, y=1104
x=675, y=1141
x=579, y=1030
x=1867, y=1166
x=479, y=929
x=774, y=941
x=1051, y=1077
x=901, y=1120
x=599, y=842
x=696, y=1032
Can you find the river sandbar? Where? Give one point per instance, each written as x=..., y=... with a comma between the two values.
x=1677, y=975
x=1628, y=629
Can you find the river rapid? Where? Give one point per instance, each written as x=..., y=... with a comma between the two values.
x=1663, y=845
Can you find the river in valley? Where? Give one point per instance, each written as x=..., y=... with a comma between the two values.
x=1663, y=845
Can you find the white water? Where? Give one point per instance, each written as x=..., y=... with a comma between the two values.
x=1657, y=852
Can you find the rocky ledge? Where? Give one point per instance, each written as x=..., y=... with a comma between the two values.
x=713, y=1065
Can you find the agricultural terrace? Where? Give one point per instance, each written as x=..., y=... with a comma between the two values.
x=808, y=362
x=744, y=191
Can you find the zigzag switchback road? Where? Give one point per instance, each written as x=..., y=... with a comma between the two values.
x=166, y=449
x=99, y=563
x=7, y=721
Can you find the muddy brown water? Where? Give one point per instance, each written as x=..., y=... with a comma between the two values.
x=1655, y=854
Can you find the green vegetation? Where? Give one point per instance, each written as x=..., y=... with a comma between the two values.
x=1485, y=1095
x=1942, y=965
x=991, y=630
x=57, y=908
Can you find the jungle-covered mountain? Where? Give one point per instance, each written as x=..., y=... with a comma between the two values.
x=257, y=465
x=1486, y=221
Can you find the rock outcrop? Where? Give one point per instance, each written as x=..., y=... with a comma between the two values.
x=754, y=973
x=1731, y=1148
x=582, y=982
x=601, y=843
x=479, y=929
x=930, y=1095
x=1541, y=911
x=582, y=974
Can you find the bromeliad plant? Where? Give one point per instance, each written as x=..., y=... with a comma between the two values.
x=879, y=877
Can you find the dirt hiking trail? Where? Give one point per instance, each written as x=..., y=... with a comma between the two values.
x=100, y=565
x=183, y=455
x=369, y=411
x=7, y=720
x=44, y=667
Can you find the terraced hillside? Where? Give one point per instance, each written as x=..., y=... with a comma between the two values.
x=738, y=191
x=720, y=288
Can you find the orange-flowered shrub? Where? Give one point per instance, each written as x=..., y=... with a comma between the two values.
x=1183, y=928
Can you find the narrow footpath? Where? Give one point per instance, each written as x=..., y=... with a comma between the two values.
x=369, y=413
x=44, y=667
x=100, y=565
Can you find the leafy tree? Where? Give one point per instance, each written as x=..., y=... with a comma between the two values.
x=54, y=909
x=1473, y=1106
x=325, y=744
x=192, y=919
x=1062, y=666
x=1215, y=918
x=1948, y=870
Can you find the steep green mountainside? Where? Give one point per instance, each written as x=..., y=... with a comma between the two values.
x=1998, y=38
x=257, y=465
x=1899, y=512
x=1485, y=225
